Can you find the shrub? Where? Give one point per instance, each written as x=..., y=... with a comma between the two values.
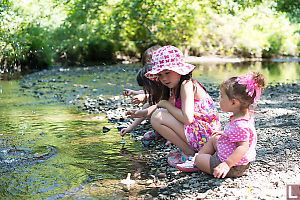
x=100, y=50
x=38, y=34
x=38, y=53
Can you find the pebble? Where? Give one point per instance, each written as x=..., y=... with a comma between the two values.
x=201, y=196
x=271, y=164
x=287, y=152
x=162, y=175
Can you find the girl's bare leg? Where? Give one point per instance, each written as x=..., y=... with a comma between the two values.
x=171, y=129
x=210, y=147
x=202, y=160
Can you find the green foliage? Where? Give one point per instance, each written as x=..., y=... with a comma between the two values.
x=275, y=41
x=151, y=21
x=250, y=32
x=100, y=50
x=291, y=7
x=39, y=34
x=38, y=53
x=24, y=41
x=83, y=34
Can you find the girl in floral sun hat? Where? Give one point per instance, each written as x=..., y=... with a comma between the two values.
x=186, y=115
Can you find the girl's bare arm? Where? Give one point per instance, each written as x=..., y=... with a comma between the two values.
x=186, y=114
x=223, y=168
x=136, y=122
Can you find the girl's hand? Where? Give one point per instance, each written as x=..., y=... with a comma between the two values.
x=128, y=92
x=138, y=98
x=221, y=170
x=163, y=104
x=136, y=113
x=124, y=131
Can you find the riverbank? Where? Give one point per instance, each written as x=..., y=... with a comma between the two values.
x=277, y=123
x=136, y=61
x=278, y=156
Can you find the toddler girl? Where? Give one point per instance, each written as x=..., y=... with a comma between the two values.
x=235, y=148
x=152, y=90
x=186, y=116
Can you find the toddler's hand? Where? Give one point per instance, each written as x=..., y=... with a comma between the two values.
x=221, y=170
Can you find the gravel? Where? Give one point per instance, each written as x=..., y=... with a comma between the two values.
x=278, y=153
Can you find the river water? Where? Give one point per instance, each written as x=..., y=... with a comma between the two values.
x=50, y=149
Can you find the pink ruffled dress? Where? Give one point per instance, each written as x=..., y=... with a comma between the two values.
x=206, y=122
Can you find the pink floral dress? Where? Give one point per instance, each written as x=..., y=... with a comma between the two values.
x=206, y=122
x=236, y=131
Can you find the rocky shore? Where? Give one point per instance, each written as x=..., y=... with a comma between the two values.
x=278, y=149
x=278, y=153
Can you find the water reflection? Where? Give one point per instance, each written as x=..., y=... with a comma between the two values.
x=274, y=72
x=83, y=153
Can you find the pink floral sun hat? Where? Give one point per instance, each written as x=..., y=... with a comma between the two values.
x=168, y=58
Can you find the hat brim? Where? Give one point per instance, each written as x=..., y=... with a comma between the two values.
x=184, y=69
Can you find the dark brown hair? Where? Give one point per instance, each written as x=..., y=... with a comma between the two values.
x=234, y=90
x=153, y=88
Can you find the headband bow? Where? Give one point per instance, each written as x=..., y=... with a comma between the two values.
x=251, y=85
